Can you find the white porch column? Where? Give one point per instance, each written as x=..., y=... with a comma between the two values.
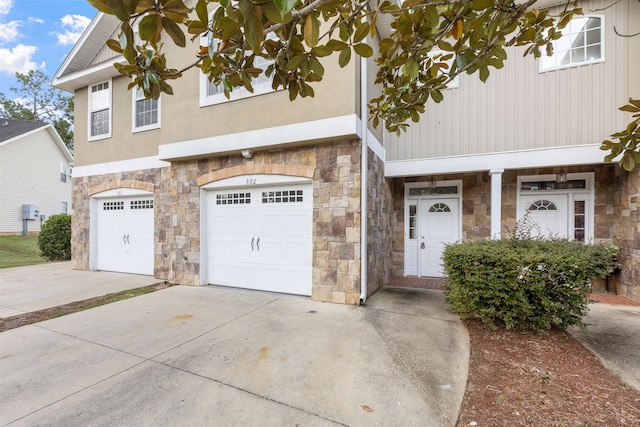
x=496, y=202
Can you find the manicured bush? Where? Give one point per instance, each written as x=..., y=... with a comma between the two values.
x=524, y=283
x=55, y=237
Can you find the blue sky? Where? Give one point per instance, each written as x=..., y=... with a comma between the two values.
x=37, y=35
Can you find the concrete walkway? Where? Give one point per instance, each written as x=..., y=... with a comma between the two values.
x=32, y=288
x=613, y=335
x=217, y=356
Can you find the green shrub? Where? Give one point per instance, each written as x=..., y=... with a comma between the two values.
x=524, y=284
x=55, y=237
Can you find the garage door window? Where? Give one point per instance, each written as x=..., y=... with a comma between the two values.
x=233, y=199
x=282, y=196
x=113, y=206
x=141, y=204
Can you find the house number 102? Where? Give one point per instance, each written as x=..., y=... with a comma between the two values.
x=251, y=181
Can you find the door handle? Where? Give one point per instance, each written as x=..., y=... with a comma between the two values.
x=252, y=239
x=422, y=245
x=258, y=243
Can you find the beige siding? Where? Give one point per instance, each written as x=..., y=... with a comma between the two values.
x=519, y=108
x=183, y=119
x=30, y=174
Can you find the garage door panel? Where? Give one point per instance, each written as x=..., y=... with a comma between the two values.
x=125, y=235
x=280, y=222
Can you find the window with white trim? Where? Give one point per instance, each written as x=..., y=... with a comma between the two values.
x=582, y=42
x=211, y=94
x=100, y=111
x=146, y=112
x=63, y=172
x=64, y=208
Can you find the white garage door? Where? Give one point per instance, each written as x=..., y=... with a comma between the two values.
x=125, y=235
x=260, y=238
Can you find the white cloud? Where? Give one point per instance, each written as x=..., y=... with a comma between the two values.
x=18, y=59
x=5, y=6
x=9, y=31
x=36, y=20
x=74, y=26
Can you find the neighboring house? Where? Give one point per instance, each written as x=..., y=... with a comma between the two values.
x=35, y=169
x=262, y=193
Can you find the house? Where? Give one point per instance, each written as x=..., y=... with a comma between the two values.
x=35, y=169
x=183, y=189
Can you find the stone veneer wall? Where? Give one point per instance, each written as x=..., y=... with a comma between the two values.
x=334, y=168
x=627, y=231
x=379, y=226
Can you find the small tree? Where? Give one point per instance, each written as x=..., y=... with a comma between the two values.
x=55, y=238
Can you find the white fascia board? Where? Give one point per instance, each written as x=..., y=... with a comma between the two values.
x=84, y=78
x=130, y=165
x=545, y=157
x=60, y=143
x=76, y=48
x=274, y=137
x=375, y=146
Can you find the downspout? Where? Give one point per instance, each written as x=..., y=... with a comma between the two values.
x=364, y=168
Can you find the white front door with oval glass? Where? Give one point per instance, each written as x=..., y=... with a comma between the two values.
x=439, y=225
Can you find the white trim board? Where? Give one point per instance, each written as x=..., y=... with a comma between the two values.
x=119, y=166
x=546, y=157
x=324, y=129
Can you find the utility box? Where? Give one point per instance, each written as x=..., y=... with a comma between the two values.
x=30, y=212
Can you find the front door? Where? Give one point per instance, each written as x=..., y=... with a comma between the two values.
x=439, y=226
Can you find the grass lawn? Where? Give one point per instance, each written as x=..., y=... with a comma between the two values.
x=19, y=250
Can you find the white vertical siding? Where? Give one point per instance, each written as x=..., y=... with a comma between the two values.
x=30, y=174
x=519, y=108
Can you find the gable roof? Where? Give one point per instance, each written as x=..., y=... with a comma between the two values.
x=12, y=131
x=76, y=70
x=11, y=128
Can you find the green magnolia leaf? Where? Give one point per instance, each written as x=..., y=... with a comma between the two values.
x=484, y=73
x=112, y=7
x=628, y=162
x=482, y=4
x=345, y=57
x=252, y=25
x=363, y=50
x=149, y=28
x=361, y=32
x=285, y=6
x=201, y=11
x=311, y=31
x=630, y=108
x=336, y=45
x=321, y=51
x=196, y=27
x=114, y=45
x=174, y=32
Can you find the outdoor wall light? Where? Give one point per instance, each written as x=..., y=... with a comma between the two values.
x=247, y=154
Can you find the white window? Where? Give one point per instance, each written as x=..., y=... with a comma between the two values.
x=146, y=112
x=65, y=208
x=211, y=94
x=100, y=111
x=63, y=172
x=582, y=42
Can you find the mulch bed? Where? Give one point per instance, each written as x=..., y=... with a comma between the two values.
x=529, y=379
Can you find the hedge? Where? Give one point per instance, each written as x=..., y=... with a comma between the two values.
x=54, y=239
x=524, y=284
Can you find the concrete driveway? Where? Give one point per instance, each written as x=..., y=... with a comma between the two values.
x=218, y=356
x=36, y=287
